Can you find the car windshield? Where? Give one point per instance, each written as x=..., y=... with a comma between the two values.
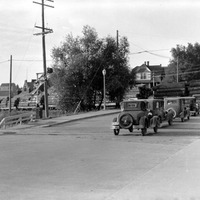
x=130, y=105
x=169, y=102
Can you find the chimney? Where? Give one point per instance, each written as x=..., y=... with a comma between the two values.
x=147, y=63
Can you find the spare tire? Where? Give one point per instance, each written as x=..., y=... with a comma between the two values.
x=126, y=121
x=172, y=111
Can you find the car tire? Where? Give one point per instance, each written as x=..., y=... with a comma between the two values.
x=125, y=121
x=173, y=111
x=182, y=119
x=155, y=129
x=144, y=131
x=131, y=129
x=116, y=131
x=170, y=122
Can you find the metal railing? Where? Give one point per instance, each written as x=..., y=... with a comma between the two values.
x=17, y=119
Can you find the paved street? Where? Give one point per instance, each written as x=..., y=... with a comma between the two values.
x=84, y=160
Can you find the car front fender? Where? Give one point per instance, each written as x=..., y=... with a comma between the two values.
x=143, y=122
x=154, y=121
x=182, y=115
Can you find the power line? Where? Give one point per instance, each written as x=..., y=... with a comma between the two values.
x=30, y=60
x=150, y=52
x=4, y=61
x=183, y=73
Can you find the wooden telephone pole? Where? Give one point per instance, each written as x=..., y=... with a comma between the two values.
x=43, y=33
x=10, y=86
x=117, y=38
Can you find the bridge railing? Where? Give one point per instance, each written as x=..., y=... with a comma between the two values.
x=17, y=119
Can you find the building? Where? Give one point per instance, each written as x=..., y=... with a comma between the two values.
x=5, y=88
x=28, y=86
x=149, y=75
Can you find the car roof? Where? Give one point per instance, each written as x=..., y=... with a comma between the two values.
x=171, y=98
x=136, y=100
x=146, y=100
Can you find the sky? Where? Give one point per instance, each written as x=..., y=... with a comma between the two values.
x=153, y=28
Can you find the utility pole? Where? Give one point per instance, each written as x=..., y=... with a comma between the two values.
x=117, y=40
x=44, y=32
x=10, y=85
x=177, y=69
x=153, y=82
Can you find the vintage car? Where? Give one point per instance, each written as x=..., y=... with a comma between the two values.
x=179, y=106
x=156, y=107
x=197, y=99
x=191, y=102
x=139, y=114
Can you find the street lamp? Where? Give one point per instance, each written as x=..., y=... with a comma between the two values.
x=104, y=88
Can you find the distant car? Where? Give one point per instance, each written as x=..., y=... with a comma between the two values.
x=156, y=106
x=179, y=106
x=135, y=114
x=191, y=102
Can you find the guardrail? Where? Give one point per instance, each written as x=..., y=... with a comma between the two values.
x=17, y=119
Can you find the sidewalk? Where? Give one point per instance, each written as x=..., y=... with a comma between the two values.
x=177, y=178
x=63, y=119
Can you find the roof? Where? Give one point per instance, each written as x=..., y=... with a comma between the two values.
x=141, y=68
x=157, y=69
x=7, y=84
x=134, y=100
x=175, y=98
x=29, y=84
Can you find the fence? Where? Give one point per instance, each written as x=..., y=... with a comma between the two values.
x=17, y=119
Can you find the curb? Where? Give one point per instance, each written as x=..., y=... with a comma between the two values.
x=77, y=119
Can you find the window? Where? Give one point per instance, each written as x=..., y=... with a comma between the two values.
x=143, y=76
x=132, y=105
x=172, y=102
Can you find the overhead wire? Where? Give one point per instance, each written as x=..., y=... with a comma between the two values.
x=1, y=62
x=150, y=52
x=182, y=73
x=29, y=60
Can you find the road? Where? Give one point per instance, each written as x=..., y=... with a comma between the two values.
x=84, y=160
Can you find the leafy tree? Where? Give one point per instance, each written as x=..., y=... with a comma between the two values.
x=117, y=70
x=144, y=92
x=78, y=65
x=185, y=63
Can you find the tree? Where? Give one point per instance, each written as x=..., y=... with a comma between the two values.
x=78, y=64
x=185, y=63
x=144, y=92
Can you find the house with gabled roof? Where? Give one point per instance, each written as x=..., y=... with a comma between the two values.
x=28, y=86
x=5, y=88
x=149, y=75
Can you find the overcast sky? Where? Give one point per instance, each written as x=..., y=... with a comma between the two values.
x=150, y=25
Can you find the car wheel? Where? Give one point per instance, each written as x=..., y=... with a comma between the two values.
x=182, y=119
x=171, y=110
x=126, y=121
x=170, y=122
x=131, y=129
x=155, y=129
x=116, y=131
x=144, y=131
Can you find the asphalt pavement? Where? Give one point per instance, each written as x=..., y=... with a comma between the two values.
x=178, y=177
